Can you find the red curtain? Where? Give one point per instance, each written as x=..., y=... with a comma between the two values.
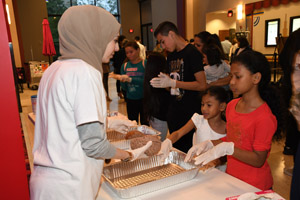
x=258, y=5
x=265, y=4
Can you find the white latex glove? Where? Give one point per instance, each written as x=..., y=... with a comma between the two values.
x=120, y=123
x=163, y=81
x=165, y=149
x=198, y=149
x=125, y=78
x=222, y=149
x=139, y=153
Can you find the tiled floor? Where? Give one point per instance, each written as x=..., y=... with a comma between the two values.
x=277, y=160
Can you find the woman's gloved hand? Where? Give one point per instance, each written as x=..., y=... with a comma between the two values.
x=139, y=153
x=165, y=149
x=198, y=149
x=222, y=149
x=163, y=81
x=120, y=123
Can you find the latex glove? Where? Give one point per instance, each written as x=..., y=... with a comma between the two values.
x=222, y=149
x=163, y=81
x=139, y=153
x=165, y=149
x=120, y=123
x=125, y=78
x=198, y=149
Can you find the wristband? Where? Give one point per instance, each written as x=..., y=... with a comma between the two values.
x=129, y=158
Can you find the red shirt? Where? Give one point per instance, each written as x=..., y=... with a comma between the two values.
x=250, y=131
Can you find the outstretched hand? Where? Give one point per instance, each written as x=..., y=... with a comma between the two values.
x=198, y=149
x=222, y=149
x=165, y=149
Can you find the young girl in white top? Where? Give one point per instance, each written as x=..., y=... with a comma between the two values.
x=209, y=125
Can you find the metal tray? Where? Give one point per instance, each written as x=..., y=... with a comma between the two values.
x=131, y=179
x=119, y=141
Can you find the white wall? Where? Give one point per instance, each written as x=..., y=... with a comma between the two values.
x=291, y=9
x=219, y=21
x=165, y=10
x=206, y=6
x=199, y=12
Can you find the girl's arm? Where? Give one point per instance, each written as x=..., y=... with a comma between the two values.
x=176, y=135
x=253, y=158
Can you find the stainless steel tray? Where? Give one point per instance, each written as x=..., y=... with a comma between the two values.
x=131, y=179
x=144, y=129
x=119, y=141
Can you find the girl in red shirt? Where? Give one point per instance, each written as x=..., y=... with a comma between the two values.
x=252, y=121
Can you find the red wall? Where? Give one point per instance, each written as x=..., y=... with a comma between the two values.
x=13, y=179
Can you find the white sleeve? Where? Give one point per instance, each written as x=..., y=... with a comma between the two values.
x=88, y=104
x=197, y=120
x=227, y=68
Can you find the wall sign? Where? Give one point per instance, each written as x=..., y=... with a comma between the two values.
x=271, y=32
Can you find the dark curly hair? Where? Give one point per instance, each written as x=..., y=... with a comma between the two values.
x=256, y=62
x=220, y=94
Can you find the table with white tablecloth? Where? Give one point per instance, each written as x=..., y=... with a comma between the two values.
x=213, y=184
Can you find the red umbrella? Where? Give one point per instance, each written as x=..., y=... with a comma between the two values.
x=48, y=45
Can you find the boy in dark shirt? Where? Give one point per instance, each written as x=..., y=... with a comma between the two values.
x=186, y=77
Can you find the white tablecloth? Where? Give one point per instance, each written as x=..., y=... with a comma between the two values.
x=210, y=185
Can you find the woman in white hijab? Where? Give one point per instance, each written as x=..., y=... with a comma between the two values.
x=70, y=140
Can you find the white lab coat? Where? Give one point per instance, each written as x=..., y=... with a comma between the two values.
x=70, y=93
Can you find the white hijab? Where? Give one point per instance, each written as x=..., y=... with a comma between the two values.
x=84, y=32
